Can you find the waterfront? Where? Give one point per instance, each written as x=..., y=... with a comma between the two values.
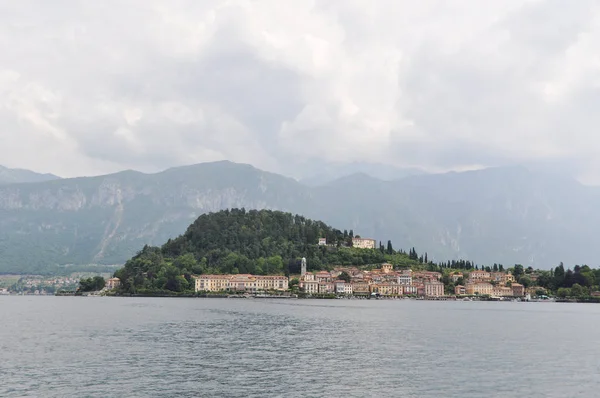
x=130, y=347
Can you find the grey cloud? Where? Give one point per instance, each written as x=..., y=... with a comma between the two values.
x=97, y=87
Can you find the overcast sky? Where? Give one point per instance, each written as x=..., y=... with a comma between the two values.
x=91, y=87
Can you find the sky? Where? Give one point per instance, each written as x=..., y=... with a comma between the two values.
x=88, y=88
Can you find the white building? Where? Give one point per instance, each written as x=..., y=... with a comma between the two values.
x=363, y=243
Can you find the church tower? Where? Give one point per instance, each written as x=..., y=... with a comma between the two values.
x=303, y=267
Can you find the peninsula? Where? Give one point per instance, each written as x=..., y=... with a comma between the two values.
x=262, y=251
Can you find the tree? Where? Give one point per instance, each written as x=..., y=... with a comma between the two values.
x=390, y=249
x=559, y=275
x=91, y=284
x=345, y=277
x=518, y=271
x=578, y=291
x=525, y=281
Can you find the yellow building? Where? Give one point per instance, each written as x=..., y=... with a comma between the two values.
x=212, y=283
x=387, y=289
x=480, y=288
x=240, y=282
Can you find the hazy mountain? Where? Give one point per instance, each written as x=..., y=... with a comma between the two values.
x=507, y=215
x=12, y=176
x=322, y=174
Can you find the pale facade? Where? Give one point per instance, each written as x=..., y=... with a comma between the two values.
x=405, y=278
x=212, y=283
x=363, y=243
x=434, y=289
x=112, y=283
x=456, y=277
x=326, y=287
x=343, y=287
x=323, y=276
x=480, y=276
x=387, y=268
x=412, y=290
x=311, y=287
x=240, y=282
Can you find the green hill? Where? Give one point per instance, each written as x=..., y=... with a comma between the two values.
x=261, y=242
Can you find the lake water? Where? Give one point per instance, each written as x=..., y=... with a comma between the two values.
x=153, y=347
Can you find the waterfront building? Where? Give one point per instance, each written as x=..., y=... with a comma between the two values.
x=518, y=290
x=386, y=289
x=434, y=289
x=480, y=288
x=460, y=290
x=211, y=283
x=112, y=283
x=240, y=282
x=360, y=288
x=311, y=287
x=343, y=287
x=502, y=291
x=326, y=287
x=410, y=289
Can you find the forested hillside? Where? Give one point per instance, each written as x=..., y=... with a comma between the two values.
x=256, y=242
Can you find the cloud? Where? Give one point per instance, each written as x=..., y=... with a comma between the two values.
x=95, y=87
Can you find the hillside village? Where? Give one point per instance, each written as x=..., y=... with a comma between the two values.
x=381, y=282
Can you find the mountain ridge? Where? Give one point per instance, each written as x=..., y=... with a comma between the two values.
x=22, y=176
x=495, y=215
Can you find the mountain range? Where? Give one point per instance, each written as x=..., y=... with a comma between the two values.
x=12, y=176
x=500, y=215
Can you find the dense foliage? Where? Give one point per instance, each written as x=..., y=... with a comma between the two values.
x=91, y=284
x=261, y=242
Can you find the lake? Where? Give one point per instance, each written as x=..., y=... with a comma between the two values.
x=167, y=347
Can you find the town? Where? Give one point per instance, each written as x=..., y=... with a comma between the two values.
x=380, y=282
